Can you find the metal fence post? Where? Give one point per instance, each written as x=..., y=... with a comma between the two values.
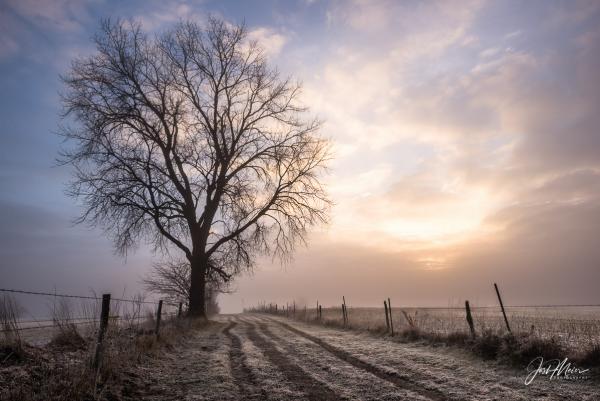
x=387, y=319
x=470, y=319
x=103, y=325
x=502, y=306
x=158, y=315
x=391, y=321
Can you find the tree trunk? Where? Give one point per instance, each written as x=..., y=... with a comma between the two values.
x=198, y=289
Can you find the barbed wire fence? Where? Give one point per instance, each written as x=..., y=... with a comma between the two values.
x=97, y=312
x=570, y=324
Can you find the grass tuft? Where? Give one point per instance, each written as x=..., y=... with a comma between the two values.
x=591, y=357
x=11, y=346
x=487, y=345
x=412, y=334
x=68, y=339
x=521, y=350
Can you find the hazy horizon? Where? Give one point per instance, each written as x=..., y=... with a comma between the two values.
x=465, y=138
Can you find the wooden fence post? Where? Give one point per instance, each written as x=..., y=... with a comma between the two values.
x=391, y=321
x=320, y=313
x=387, y=319
x=158, y=316
x=294, y=309
x=470, y=319
x=345, y=311
x=103, y=325
x=502, y=306
x=180, y=309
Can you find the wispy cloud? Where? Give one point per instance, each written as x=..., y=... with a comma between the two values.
x=270, y=40
x=60, y=15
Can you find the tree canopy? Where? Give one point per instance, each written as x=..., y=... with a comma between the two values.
x=189, y=140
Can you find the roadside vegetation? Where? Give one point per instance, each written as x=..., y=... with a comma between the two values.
x=63, y=369
x=491, y=341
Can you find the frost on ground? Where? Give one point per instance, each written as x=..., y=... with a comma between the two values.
x=347, y=381
x=448, y=371
x=255, y=357
x=185, y=372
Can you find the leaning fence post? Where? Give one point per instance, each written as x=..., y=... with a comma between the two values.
x=158, y=315
x=502, y=306
x=470, y=318
x=102, y=329
x=387, y=319
x=391, y=321
x=179, y=310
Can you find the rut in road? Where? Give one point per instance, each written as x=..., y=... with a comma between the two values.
x=391, y=377
x=348, y=381
x=314, y=389
x=244, y=378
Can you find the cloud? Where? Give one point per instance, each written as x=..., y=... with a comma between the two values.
x=45, y=32
x=8, y=46
x=545, y=255
x=61, y=15
x=271, y=41
x=459, y=133
x=165, y=14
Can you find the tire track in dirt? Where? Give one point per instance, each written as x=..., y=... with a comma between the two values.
x=361, y=387
x=245, y=380
x=391, y=377
x=476, y=384
x=314, y=389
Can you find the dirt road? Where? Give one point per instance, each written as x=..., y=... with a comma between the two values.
x=257, y=357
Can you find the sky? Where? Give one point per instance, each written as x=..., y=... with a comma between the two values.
x=465, y=134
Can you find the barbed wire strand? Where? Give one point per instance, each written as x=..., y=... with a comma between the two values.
x=49, y=294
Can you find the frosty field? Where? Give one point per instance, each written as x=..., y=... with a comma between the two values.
x=573, y=327
x=259, y=357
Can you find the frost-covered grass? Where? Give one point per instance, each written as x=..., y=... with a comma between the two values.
x=574, y=328
x=63, y=370
x=450, y=370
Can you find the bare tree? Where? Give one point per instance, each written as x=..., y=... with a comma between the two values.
x=190, y=140
x=172, y=280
